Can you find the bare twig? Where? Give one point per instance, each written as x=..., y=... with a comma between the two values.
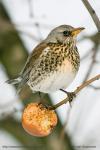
x=92, y=13
x=78, y=89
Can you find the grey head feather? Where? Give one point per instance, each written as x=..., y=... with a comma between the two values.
x=57, y=34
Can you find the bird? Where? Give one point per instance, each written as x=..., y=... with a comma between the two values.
x=53, y=63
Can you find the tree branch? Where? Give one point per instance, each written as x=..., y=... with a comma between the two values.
x=92, y=13
x=78, y=89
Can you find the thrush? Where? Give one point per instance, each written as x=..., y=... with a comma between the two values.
x=54, y=62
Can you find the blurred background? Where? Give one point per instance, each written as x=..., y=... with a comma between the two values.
x=23, y=24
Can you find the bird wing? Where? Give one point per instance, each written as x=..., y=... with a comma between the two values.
x=32, y=61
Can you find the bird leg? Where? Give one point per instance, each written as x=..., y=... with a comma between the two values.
x=42, y=100
x=40, y=96
x=70, y=95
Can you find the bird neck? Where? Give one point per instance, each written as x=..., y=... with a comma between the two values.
x=70, y=42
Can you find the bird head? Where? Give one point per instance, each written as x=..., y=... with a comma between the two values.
x=63, y=34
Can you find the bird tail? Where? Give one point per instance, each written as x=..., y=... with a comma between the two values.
x=18, y=81
x=14, y=81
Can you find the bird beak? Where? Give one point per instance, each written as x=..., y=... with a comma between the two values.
x=76, y=31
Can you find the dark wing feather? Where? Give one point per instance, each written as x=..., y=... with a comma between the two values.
x=31, y=61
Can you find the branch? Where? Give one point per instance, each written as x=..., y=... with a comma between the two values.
x=78, y=89
x=92, y=13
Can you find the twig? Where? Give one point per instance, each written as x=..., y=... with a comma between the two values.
x=78, y=89
x=92, y=13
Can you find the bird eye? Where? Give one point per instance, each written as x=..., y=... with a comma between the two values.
x=66, y=33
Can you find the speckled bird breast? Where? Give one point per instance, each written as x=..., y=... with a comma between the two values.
x=57, y=67
x=56, y=54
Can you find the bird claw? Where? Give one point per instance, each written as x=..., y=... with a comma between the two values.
x=43, y=105
x=70, y=95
